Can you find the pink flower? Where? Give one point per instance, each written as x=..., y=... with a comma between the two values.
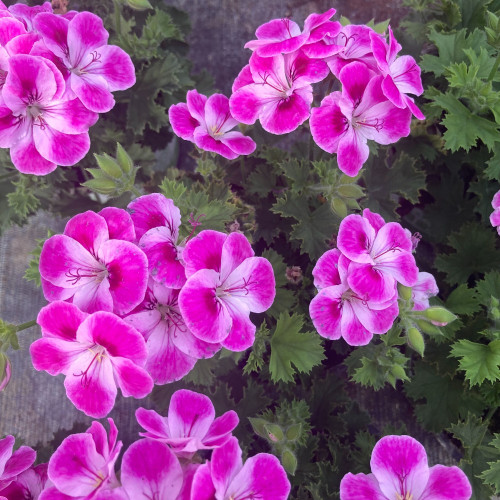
x=225, y=283
x=352, y=44
x=28, y=484
x=172, y=349
x=208, y=123
x=225, y=477
x=157, y=221
x=96, y=352
x=41, y=130
x=400, y=470
x=190, y=426
x=401, y=74
x=337, y=311
x=13, y=463
x=27, y=14
x=424, y=288
x=495, y=216
x=280, y=94
x=346, y=121
x=83, y=465
x=282, y=36
x=150, y=471
x=380, y=257
x=96, y=272
x=94, y=68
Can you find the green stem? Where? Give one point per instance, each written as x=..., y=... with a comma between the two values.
x=118, y=17
x=494, y=70
x=25, y=326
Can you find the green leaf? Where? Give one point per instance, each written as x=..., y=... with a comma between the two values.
x=475, y=252
x=255, y=360
x=493, y=169
x=314, y=227
x=489, y=287
x=463, y=300
x=297, y=172
x=491, y=475
x=293, y=351
x=173, y=189
x=261, y=181
x=480, y=361
x=451, y=49
x=32, y=273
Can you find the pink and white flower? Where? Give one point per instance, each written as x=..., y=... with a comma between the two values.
x=225, y=477
x=346, y=120
x=280, y=94
x=495, y=216
x=337, y=311
x=94, y=68
x=172, y=349
x=282, y=36
x=96, y=272
x=401, y=74
x=150, y=471
x=26, y=14
x=190, y=425
x=96, y=353
x=13, y=463
x=400, y=470
x=28, y=484
x=82, y=467
x=209, y=124
x=157, y=221
x=424, y=288
x=41, y=129
x=225, y=283
x=380, y=257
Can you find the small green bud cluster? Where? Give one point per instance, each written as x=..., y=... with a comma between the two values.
x=345, y=195
x=115, y=176
x=492, y=29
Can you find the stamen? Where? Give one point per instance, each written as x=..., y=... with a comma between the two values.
x=194, y=223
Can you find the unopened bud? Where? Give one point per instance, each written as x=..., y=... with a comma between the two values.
x=428, y=328
x=399, y=372
x=289, y=461
x=274, y=432
x=404, y=291
x=439, y=316
x=294, y=274
x=123, y=159
x=258, y=426
x=351, y=191
x=293, y=432
x=234, y=227
x=108, y=165
x=5, y=371
x=339, y=207
x=139, y=4
x=416, y=340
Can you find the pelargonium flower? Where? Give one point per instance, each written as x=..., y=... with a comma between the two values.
x=96, y=272
x=346, y=120
x=150, y=471
x=422, y=290
x=401, y=74
x=96, y=352
x=337, y=311
x=29, y=484
x=190, y=425
x=282, y=36
x=352, y=44
x=83, y=465
x=225, y=477
x=172, y=349
x=41, y=129
x=225, y=283
x=13, y=463
x=209, y=124
x=280, y=94
x=400, y=470
x=94, y=68
x=26, y=14
x=495, y=216
x=157, y=221
x=381, y=257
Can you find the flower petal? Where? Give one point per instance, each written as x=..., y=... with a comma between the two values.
x=27, y=159
x=242, y=333
x=326, y=311
x=89, y=229
x=60, y=320
x=226, y=463
x=181, y=121
x=120, y=224
x=360, y=486
x=204, y=251
x=131, y=379
x=355, y=238
x=220, y=430
x=55, y=356
x=447, y=483
x=326, y=271
x=235, y=250
x=85, y=33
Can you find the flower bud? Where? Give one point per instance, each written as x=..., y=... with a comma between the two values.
x=416, y=340
x=124, y=160
x=339, y=207
x=108, y=165
x=399, y=372
x=428, y=328
x=351, y=191
x=5, y=371
x=404, y=291
x=439, y=316
x=258, y=426
x=274, y=432
x=139, y=4
x=289, y=461
x=294, y=432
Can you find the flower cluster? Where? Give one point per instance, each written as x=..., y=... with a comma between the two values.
x=131, y=305
x=357, y=282
x=276, y=89
x=400, y=470
x=164, y=465
x=57, y=72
